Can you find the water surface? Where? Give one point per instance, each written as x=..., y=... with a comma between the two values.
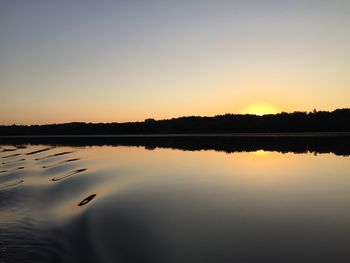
x=132, y=204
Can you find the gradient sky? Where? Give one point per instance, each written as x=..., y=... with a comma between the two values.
x=104, y=61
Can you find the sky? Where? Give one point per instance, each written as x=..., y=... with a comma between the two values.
x=116, y=61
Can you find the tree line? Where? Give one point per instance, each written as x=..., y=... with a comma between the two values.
x=315, y=121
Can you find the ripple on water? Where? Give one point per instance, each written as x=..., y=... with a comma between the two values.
x=10, y=184
x=7, y=150
x=87, y=200
x=62, y=162
x=12, y=170
x=14, y=161
x=52, y=155
x=58, y=178
x=11, y=155
x=21, y=240
x=39, y=151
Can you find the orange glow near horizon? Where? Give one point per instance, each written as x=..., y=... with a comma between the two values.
x=126, y=62
x=261, y=153
x=260, y=109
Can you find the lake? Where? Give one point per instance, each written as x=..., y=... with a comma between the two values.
x=174, y=202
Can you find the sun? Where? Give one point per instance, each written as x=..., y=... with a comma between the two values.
x=260, y=109
x=261, y=153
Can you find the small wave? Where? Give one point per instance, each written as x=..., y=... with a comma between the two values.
x=59, y=163
x=12, y=155
x=11, y=184
x=7, y=150
x=52, y=155
x=68, y=175
x=14, y=161
x=39, y=151
x=13, y=170
x=87, y=200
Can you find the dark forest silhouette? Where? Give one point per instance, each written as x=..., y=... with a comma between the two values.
x=316, y=121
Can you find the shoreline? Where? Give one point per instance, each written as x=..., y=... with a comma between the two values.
x=243, y=135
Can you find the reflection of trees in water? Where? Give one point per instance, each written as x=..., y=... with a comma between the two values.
x=339, y=145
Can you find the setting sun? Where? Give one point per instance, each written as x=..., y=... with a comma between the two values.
x=260, y=109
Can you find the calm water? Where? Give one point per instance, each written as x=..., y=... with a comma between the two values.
x=131, y=204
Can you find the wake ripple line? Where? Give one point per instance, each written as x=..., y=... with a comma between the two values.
x=52, y=155
x=7, y=150
x=12, y=155
x=63, y=162
x=87, y=200
x=15, y=161
x=39, y=151
x=11, y=184
x=55, y=179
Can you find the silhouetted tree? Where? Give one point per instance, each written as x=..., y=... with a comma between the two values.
x=315, y=121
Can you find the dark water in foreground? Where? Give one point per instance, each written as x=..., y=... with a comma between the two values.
x=131, y=204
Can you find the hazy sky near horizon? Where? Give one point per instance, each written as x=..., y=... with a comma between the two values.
x=103, y=61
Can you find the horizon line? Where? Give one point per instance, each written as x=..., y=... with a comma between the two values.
x=179, y=117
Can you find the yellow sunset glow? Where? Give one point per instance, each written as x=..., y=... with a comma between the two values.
x=261, y=153
x=260, y=109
